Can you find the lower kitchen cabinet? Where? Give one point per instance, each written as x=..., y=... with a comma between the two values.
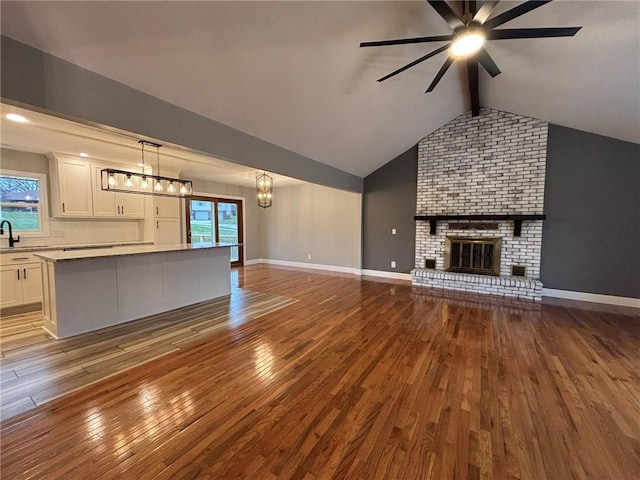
x=20, y=284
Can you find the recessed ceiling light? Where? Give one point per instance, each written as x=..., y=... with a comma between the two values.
x=84, y=155
x=14, y=117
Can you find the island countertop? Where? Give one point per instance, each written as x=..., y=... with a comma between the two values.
x=75, y=246
x=118, y=251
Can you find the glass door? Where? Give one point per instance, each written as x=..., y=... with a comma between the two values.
x=216, y=220
x=228, y=227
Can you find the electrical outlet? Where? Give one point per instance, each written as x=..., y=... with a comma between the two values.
x=393, y=231
x=309, y=257
x=393, y=264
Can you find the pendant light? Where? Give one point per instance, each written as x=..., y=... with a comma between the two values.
x=143, y=183
x=264, y=187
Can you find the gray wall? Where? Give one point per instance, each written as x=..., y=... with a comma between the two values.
x=592, y=201
x=389, y=201
x=591, y=238
x=35, y=79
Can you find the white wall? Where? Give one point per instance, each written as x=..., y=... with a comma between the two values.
x=313, y=220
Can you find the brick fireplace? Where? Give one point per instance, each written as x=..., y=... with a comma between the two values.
x=490, y=168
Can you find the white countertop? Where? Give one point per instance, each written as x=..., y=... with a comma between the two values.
x=119, y=251
x=42, y=248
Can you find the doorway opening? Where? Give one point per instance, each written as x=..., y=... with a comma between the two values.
x=211, y=219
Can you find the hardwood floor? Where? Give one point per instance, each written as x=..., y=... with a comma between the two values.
x=359, y=379
x=36, y=368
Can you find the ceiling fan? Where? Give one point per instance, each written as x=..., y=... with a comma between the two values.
x=470, y=32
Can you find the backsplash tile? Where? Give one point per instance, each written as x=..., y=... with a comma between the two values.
x=70, y=232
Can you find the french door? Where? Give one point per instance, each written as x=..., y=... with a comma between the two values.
x=212, y=219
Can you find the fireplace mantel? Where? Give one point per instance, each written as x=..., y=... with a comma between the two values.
x=517, y=219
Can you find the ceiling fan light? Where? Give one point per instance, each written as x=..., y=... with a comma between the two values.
x=467, y=43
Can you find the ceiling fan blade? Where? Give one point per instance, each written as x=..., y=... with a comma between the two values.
x=474, y=90
x=515, y=12
x=444, y=10
x=507, y=33
x=487, y=62
x=445, y=66
x=402, y=41
x=485, y=11
x=415, y=62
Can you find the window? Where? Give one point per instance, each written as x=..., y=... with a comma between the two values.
x=23, y=199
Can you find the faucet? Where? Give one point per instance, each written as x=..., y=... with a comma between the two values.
x=11, y=239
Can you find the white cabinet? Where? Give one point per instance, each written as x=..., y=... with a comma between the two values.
x=76, y=191
x=114, y=204
x=31, y=283
x=104, y=202
x=167, y=231
x=70, y=188
x=21, y=280
x=166, y=207
x=166, y=212
x=131, y=205
x=10, y=287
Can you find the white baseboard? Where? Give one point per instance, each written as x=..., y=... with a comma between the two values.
x=315, y=266
x=592, y=297
x=382, y=273
x=332, y=268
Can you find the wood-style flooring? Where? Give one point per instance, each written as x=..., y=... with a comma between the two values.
x=35, y=368
x=359, y=379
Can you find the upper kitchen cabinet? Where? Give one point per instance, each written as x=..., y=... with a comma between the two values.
x=70, y=187
x=114, y=204
x=166, y=207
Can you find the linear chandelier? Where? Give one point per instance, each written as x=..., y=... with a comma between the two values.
x=264, y=187
x=143, y=183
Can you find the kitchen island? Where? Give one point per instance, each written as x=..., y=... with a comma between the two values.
x=86, y=290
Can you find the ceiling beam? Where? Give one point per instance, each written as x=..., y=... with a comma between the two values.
x=474, y=92
x=472, y=9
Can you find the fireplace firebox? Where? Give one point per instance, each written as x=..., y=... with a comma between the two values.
x=473, y=255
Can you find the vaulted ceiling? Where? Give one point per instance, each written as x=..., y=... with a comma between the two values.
x=292, y=73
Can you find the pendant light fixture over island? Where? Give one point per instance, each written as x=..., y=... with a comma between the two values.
x=144, y=183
